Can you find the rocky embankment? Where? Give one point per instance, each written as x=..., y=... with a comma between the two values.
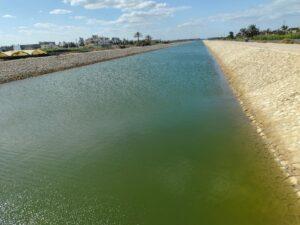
x=266, y=80
x=29, y=67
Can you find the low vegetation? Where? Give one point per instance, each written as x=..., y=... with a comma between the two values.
x=272, y=37
x=252, y=32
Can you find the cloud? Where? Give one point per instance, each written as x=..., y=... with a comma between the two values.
x=193, y=23
x=79, y=17
x=140, y=17
x=22, y=27
x=50, y=32
x=7, y=16
x=45, y=25
x=275, y=9
x=117, y=4
x=53, y=27
x=60, y=12
x=134, y=12
x=48, y=28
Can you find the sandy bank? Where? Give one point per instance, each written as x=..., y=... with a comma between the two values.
x=266, y=79
x=24, y=68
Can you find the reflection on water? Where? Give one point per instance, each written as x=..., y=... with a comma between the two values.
x=153, y=139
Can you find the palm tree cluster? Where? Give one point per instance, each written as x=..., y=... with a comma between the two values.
x=146, y=41
x=249, y=32
x=252, y=31
x=138, y=35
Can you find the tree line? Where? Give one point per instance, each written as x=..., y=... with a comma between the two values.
x=253, y=32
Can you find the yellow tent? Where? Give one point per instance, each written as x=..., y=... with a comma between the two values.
x=35, y=52
x=2, y=55
x=22, y=53
x=16, y=53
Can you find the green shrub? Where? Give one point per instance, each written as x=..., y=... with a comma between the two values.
x=273, y=37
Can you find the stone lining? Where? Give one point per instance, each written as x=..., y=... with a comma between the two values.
x=29, y=67
x=266, y=79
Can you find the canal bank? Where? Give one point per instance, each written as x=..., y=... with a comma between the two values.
x=266, y=80
x=24, y=68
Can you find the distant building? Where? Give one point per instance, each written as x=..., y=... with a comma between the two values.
x=6, y=48
x=294, y=30
x=92, y=40
x=104, y=41
x=97, y=40
x=17, y=47
x=29, y=47
x=67, y=44
x=46, y=44
x=61, y=44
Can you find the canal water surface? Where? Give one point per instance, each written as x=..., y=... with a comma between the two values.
x=151, y=139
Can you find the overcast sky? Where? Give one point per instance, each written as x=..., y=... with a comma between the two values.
x=30, y=21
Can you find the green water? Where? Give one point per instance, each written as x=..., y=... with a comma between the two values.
x=153, y=139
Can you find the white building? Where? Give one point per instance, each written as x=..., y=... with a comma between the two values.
x=17, y=47
x=97, y=40
x=46, y=44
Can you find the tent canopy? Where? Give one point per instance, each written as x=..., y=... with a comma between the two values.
x=21, y=53
x=3, y=55
x=35, y=52
x=16, y=53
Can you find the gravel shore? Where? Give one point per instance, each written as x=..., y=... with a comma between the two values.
x=266, y=80
x=29, y=67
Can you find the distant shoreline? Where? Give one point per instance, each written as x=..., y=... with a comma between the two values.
x=30, y=67
x=266, y=81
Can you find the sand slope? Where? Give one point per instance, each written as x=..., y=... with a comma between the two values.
x=266, y=79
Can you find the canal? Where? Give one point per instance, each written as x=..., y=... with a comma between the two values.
x=151, y=139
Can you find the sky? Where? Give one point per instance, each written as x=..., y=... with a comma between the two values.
x=31, y=21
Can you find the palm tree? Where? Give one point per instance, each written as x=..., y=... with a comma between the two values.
x=148, y=38
x=231, y=35
x=252, y=31
x=284, y=28
x=138, y=35
x=243, y=32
